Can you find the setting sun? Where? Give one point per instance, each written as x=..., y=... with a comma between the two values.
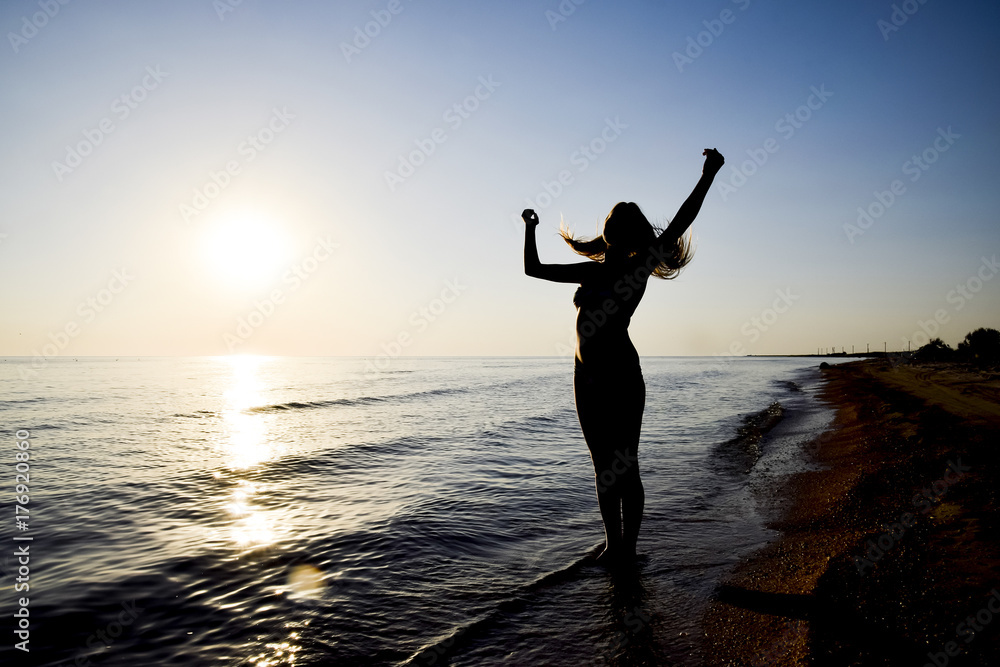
x=246, y=250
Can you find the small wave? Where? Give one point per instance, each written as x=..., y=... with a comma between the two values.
x=745, y=449
x=361, y=400
x=789, y=385
x=197, y=414
x=306, y=405
x=545, y=419
x=355, y=457
x=23, y=401
x=55, y=427
x=517, y=601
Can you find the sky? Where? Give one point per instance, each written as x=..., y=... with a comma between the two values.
x=211, y=177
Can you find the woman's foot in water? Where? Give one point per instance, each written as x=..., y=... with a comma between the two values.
x=607, y=556
x=616, y=558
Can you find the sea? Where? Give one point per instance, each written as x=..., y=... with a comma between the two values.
x=269, y=511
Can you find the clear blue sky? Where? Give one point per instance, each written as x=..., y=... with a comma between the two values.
x=124, y=233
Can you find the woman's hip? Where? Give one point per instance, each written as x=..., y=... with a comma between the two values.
x=609, y=389
x=618, y=376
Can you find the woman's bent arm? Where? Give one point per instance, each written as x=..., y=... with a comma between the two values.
x=560, y=273
x=531, y=263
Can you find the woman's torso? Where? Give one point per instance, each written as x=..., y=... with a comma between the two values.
x=605, y=308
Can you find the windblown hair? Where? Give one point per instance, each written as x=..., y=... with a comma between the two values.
x=630, y=229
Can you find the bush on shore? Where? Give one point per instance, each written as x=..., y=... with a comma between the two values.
x=980, y=348
x=935, y=350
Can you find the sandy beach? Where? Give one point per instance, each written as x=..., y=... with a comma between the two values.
x=889, y=552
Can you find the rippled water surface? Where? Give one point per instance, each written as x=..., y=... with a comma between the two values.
x=290, y=511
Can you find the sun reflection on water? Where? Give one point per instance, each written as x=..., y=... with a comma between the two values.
x=253, y=530
x=249, y=517
x=246, y=443
x=278, y=653
x=246, y=433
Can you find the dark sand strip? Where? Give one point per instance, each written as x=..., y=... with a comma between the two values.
x=868, y=571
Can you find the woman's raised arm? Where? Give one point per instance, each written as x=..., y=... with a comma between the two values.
x=689, y=209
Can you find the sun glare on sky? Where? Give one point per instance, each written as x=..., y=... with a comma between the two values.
x=246, y=250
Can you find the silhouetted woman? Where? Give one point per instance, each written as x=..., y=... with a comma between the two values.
x=607, y=380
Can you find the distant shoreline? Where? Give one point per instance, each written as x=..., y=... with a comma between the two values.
x=838, y=355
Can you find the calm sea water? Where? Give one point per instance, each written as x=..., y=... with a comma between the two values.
x=296, y=511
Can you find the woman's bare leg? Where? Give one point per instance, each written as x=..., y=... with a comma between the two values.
x=619, y=491
x=610, y=503
x=633, y=495
x=633, y=500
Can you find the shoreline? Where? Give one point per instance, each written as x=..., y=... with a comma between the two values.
x=868, y=569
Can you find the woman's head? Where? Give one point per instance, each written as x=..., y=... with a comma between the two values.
x=626, y=233
x=626, y=228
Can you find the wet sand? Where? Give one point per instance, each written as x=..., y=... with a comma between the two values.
x=889, y=554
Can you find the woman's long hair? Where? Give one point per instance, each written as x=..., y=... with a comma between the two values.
x=629, y=228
